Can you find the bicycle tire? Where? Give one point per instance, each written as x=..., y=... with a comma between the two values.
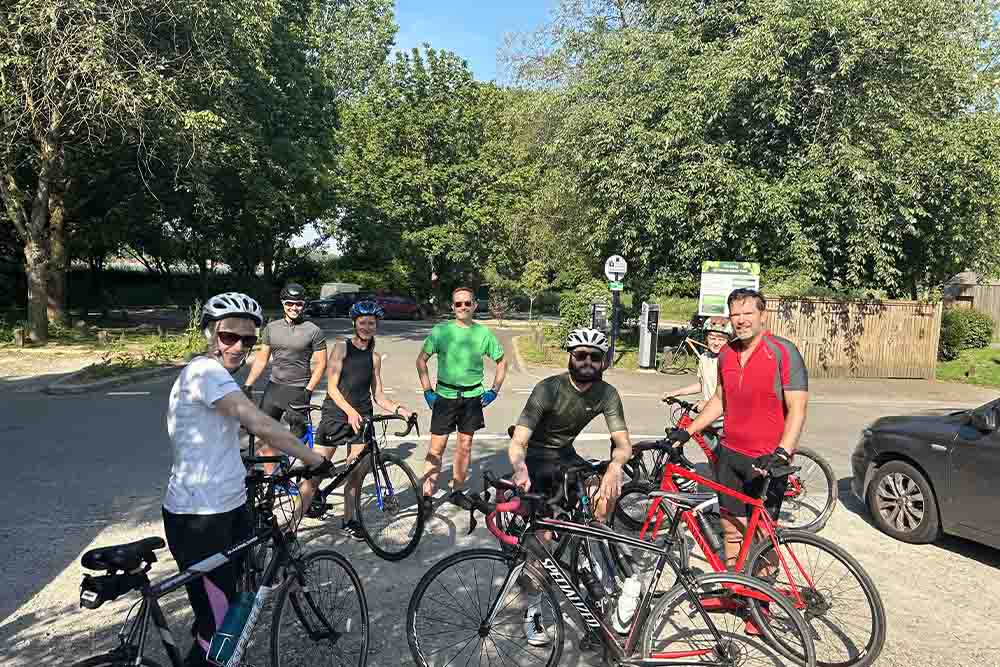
x=676, y=360
x=499, y=565
x=818, y=599
x=405, y=520
x=819, y=516
x=113, y=659
x=714, y=588
x=299, y=590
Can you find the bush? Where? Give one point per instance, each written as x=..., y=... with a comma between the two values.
x=574, y=306
x=7, y=325
x=963, y=329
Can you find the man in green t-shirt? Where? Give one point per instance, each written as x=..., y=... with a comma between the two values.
x=458, y=400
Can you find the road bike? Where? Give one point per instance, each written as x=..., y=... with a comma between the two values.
x=386, y=504
x=683, y=356
x=832, y=590
x=810, y=496
x=473, y=606
x=320, y=613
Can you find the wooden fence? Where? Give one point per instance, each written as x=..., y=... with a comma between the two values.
x=860, y=339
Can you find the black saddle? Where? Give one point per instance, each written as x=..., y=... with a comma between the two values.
x=685, y=500
x=123, y=556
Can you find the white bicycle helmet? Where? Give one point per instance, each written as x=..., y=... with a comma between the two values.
x=231, y=304
x=587, y=338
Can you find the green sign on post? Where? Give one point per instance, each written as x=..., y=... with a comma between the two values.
x=718, y=279
x=616, y=286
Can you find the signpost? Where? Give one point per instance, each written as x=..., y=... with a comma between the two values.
x=615, y=268
x=718, y=279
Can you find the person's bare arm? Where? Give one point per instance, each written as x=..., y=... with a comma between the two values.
x=260, y=359
x=318, y=362
x=712, y=411
x=684, y=391
x=378, y=391
x=501, y=375
x=517, y=450
x=795, y=418
x=422, y=372
x=236, y=404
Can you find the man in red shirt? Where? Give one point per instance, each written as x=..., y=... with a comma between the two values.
x=763, y=390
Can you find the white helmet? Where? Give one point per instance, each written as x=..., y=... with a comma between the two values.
x=231, y=304
x=587, y=338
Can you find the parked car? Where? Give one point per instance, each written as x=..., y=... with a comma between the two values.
x=338, y=305
x=400, y=307
x=923, y=475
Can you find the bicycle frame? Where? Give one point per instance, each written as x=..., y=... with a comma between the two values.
x=760, y=524
x=373, y=450
x=133, y=636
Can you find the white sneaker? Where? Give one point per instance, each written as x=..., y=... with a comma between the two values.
x=534, y=630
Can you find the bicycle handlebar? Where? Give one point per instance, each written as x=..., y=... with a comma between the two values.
x=673, y=400
x=411, y=424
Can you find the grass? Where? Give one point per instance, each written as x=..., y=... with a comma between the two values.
x=981, y=367
x=626, y=355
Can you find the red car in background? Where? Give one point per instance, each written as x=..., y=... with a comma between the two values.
x=399, y=307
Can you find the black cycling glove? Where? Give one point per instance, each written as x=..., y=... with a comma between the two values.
x=679, y=436
x=779, y=457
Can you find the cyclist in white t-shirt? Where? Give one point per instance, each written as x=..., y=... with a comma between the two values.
x=204, y=509
x=718, y=333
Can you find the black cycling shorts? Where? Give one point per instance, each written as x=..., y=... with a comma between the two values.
x=463, y=414
x=195, y=537
x=334, y=430
x=736, y=471
x=275, y=404
x=546, y=470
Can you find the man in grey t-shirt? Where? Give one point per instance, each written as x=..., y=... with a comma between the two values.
x=297, y=352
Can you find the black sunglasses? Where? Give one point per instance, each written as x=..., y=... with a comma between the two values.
x=459, y=304
x=292, y=304
x=580, y=355
x=229, y=338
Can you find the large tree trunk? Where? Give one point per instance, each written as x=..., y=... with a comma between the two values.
x=36, y=266
x=60, y=259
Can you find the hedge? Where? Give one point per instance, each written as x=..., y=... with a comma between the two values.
x=963, y=329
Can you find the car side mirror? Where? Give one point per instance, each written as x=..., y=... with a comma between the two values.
x=984, y=421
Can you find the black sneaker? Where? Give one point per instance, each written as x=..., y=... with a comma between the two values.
x=353, y=530
x=317, y=508
x=427, y=507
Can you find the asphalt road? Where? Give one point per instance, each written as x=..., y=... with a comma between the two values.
x=90, y=470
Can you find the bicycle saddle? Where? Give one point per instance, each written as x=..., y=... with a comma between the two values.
x=685, y=500
x=123, y=556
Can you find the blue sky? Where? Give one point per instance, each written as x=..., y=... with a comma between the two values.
x=474, y=30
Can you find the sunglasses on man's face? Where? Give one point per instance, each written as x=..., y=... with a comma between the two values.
x=459, y=304
x=228, y=338
x=580, y=356
x=294, y=304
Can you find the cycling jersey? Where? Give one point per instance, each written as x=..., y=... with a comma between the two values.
x=292, y=346
x=556, y=412
x=460, y=353
x=754, y=392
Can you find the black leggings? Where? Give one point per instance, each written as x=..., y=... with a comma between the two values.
x=195, y=537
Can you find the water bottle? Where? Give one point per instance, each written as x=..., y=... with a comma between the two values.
x=225, y=638
x=709, y=530
x=628, y=602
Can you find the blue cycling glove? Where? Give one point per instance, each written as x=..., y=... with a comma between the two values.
x=430, y=396
x=488, y=397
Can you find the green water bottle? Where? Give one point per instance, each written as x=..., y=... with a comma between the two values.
x=225, y=638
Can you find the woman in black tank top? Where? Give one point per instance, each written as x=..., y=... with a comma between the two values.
x=354, y=387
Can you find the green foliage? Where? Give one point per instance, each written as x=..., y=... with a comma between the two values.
x=980, y=367
x=574, y=307
x=7, y=325
x=963, y=329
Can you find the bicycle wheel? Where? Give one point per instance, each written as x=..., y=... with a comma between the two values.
x=676, y=360
x=446, y=622
x=388, y=508
x=684, y=623
x=834, y=594
x=812, y=493
x=326, y=622
x=113, y=659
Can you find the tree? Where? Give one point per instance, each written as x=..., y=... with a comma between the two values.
x=74, y=74
x=852, y=141
x=533, y=282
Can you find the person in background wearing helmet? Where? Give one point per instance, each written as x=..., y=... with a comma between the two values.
x=541, y=448
x=353, y=382
x=718, y=333
x=297, y=351
x=204, y=508
x=458, y=399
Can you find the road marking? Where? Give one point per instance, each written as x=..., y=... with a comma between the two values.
x=129, y=393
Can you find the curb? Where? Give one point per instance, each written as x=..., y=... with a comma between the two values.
x=517, y=354
x=62, y=386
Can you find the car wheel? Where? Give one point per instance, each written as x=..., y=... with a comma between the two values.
x=902, y=503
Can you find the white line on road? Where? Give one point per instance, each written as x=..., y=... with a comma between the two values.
x=129, y=393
